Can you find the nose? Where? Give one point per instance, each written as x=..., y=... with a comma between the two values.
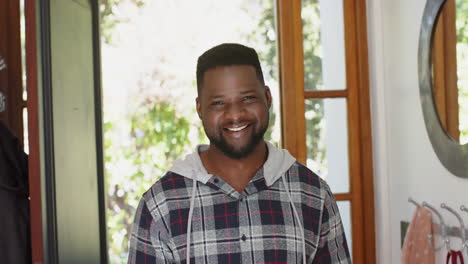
x=234, y=112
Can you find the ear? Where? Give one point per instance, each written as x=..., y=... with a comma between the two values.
x=197, y=102
x=268, y=96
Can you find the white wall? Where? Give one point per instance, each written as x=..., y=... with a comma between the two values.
x=405, y=164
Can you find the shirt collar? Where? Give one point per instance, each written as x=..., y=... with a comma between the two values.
x=255, y=185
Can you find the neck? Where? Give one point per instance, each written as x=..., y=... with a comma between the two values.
x=236, y=172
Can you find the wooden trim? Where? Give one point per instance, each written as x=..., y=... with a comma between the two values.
x=343, y=196
x=439, y=71
x=444, y=58
x=365, y=140
x=33, y=131
x=361, y=193
x=291, y=70
x=325, y=94
x=354, y=130
x=450, y=53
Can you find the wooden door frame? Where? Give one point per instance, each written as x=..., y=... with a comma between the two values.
x=359, y=119
x=35, y=184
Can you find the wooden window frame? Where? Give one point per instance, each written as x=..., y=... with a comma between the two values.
x=293, y=95
x=444, y=58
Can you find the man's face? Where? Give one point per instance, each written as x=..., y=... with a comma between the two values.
x=233, y=106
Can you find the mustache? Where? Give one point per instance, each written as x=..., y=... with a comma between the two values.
x=239, y=122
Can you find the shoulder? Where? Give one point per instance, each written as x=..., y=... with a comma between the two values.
x=170, y=186
x=162, y=197
x=308, y=180
x=299, y=172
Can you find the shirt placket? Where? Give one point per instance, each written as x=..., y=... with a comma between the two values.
x=245, y=230
x=233, y=246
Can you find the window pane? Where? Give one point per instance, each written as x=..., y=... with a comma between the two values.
x=345, y=212
x=327, y=141
x=149, y=55
x=324, y=47
x=462, y=69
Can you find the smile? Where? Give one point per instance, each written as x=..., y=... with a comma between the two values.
x=235, y=129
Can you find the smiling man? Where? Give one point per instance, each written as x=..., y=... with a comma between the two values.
x=238, y=199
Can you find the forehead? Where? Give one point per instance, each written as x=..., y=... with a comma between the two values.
x=230, y=76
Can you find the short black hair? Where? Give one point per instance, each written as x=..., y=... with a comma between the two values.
x=227, y=54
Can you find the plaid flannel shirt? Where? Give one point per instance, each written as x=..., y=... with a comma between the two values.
x=255, y=226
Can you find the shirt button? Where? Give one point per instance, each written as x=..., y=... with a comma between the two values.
x=216, y=180
x=244, y=238
x=241, y=199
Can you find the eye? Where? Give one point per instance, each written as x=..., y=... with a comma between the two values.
x=217, y=103
x=248, y=98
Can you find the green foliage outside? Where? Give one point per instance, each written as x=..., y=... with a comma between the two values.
x=312, y=45
x=462, y=67
x=461, y=20
x=265, y=35
x=108, y=20
x=157, y=136
x=314, y=109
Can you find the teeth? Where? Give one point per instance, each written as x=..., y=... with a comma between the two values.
x=235, y=129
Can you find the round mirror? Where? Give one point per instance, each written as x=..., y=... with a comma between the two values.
x=442, y=84
x=450, y=69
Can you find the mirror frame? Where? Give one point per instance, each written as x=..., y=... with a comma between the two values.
x=452, y=155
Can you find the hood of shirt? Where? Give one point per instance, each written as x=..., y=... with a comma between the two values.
x=277, y=163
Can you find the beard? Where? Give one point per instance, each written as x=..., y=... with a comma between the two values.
x=235, y=151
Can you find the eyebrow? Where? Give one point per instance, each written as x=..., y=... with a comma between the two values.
x=248, y=91
x=222, y=96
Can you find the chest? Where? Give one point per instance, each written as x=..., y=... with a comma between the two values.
x=251, y=228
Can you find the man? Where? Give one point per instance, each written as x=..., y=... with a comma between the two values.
x=238, y=199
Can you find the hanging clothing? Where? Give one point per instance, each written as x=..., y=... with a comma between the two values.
x=455, y=255
x=416, y=246
x=15, y=237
